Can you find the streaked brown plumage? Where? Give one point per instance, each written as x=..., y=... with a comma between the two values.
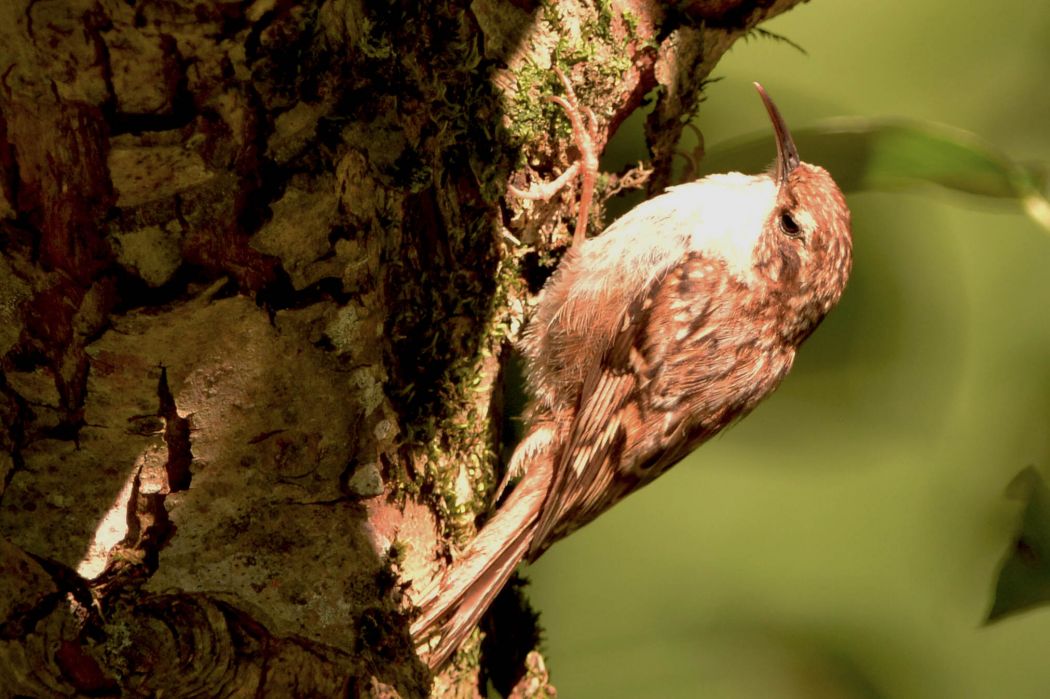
x=649, y=339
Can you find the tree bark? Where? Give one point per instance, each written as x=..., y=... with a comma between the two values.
x=260, y=274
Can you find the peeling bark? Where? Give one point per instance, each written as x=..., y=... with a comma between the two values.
x=259, y=274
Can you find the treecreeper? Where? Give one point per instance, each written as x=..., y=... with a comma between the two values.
x=647, y=340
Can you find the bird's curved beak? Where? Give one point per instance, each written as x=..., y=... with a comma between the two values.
x=787, y=154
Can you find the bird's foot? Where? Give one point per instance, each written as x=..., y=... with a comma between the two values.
x=585, y=134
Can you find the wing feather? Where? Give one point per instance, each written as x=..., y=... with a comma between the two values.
x=587, y=477
x=647, y=403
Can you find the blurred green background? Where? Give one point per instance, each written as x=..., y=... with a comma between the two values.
x=844, y=540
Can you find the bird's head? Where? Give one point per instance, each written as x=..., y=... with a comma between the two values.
x=804, y=252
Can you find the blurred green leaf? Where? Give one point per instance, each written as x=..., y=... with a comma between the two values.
x=894, y=155
x=1024, y=579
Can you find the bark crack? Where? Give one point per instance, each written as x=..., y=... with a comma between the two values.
x=136, y=557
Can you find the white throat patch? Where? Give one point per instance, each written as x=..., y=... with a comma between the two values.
x=730, y=213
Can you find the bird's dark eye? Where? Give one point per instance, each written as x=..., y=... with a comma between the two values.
x=789, y=226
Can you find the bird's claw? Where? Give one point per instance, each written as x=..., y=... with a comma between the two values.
x=585, y=134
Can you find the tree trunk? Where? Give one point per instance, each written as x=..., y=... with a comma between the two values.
x=260, y=273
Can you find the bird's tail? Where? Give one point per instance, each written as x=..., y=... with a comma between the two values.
x=453, y=605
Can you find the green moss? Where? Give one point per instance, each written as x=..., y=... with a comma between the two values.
x=602, y=25
x=531, y=113
x=463, y=438
x=439, y=133
x=551, y=14
x=631, y=22
x=117, y=644
x=459, y=437
x=468, y=656
x=373, y=44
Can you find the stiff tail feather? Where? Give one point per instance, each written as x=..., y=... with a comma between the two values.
x=454, y=604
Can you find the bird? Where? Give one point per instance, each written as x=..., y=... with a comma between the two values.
x=647, y=340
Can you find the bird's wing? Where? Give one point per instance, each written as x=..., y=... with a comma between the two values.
x=637, y=408
x=589, y=475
